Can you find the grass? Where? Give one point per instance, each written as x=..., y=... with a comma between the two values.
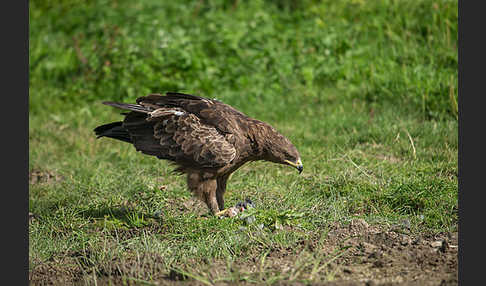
x=366, y=90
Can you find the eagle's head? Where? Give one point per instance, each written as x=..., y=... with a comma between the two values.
x=280, y=150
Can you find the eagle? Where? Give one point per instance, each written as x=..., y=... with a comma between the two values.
x=205, y=138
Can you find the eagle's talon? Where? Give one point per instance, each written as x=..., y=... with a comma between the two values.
x=229, y=212
x=238, y=208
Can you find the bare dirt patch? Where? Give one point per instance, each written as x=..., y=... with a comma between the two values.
x=368, y=255
x=378, y=256
x=37, y=176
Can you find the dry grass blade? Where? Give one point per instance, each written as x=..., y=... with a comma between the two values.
x=413, y=145
x=358, y=167
x=453, y=99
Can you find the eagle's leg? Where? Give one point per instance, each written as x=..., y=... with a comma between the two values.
x=221, y=190
x=211, y=202
x=220, y=199
x=204, y=189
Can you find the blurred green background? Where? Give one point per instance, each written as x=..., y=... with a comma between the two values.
x=271, y=57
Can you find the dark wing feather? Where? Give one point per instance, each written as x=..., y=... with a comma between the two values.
x=129, y=106
x=113, y=130
x=141, y=133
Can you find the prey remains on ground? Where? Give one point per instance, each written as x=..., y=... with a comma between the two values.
x=207, y=139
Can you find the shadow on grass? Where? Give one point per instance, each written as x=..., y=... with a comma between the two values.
x=120, y=217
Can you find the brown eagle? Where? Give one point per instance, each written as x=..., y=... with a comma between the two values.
x=205, y=138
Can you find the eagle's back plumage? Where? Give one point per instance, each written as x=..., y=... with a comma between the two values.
x=192, y=131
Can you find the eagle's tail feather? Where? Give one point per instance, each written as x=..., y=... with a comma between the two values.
x=113, y=130
x=128, y=106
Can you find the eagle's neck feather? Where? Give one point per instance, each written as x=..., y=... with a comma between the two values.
x=260, y=133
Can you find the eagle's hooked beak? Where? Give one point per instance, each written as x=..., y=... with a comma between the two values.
x=298, y=165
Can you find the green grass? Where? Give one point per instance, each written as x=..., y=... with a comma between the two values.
x=366, y=90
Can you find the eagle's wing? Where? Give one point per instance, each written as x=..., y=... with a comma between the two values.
x=223, y=117
x=189, y=130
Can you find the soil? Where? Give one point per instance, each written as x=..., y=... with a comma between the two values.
x=37, y=176
x=372, y=256
x=390, y=257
